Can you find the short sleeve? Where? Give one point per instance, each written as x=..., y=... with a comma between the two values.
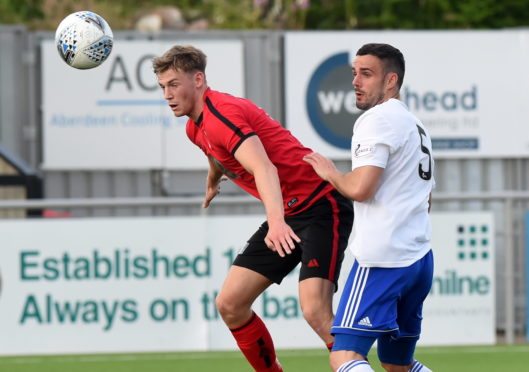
x=233, y=128
x=373, y=140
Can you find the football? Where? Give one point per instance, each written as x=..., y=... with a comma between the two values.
x=84, y=40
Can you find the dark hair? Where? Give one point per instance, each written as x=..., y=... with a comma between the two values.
x=186, y=58
x=391, y=58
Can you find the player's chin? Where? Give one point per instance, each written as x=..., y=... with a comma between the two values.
x=362, y=105
x=178, y=113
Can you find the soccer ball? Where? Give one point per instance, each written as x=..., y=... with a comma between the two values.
x=84, y=40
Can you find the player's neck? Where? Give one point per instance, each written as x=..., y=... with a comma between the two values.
x=199, y=104
x=391, y=94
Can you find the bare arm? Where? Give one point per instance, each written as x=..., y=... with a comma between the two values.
x=359, y=185
x=213, y=180
x=252, y=156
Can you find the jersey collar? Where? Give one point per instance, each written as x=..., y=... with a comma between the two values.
x=204, y=97
x=199, y=121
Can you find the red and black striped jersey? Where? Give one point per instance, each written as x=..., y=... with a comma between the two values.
x=227, y=121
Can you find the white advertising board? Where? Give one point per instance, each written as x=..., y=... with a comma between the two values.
x=460, y=309
x=148, y=284
x=469, y=110
x=115, y=117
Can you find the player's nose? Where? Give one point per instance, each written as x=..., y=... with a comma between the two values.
x=167, y=93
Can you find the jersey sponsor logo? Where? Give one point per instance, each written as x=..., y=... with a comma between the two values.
x=363, y=150
x=292, y=202
x=365, y=322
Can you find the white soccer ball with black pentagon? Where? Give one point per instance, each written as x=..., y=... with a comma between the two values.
x=84, y=40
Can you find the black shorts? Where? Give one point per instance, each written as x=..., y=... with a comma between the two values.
x=324, y=230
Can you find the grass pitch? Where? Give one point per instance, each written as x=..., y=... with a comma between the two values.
x=451, y=359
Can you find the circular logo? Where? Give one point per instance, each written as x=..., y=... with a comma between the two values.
x=331, y=102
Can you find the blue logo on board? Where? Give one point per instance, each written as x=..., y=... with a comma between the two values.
x=331, y=101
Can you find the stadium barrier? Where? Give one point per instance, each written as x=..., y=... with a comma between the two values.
x=88, y=285
x=508, y=234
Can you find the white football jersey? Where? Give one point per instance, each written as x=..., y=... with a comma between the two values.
x=393, y=228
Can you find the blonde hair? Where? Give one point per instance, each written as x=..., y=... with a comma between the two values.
x=185, y=58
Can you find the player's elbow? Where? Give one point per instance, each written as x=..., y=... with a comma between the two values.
x=263, y=169
x=361, y=194
x=363, y=182
x=361, y=197
x=353, y=186
x=267, y=170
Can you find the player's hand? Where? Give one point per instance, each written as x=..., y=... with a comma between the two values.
x=323, y=166
x=212, y=190
x=281, y=238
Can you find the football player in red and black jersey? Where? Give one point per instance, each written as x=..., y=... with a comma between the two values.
x=307, y=220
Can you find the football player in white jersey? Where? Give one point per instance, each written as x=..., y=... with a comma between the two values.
x=391, y=183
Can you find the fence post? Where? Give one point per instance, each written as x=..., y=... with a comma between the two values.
x=509, y=274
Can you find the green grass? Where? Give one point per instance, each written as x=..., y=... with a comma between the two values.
x=514, y=358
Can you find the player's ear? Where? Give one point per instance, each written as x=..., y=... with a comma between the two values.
x=200, y=79
x=392, y=80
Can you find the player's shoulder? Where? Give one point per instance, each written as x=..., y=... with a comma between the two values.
x=379, y=115
x=226, y=102
x=396, y=112
x=217, y=98
x=389, y=121
x=390, y=107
